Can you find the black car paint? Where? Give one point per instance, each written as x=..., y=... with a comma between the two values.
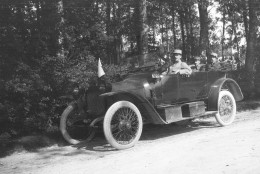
x=171, y=89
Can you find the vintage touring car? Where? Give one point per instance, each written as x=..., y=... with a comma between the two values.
x=146, y=96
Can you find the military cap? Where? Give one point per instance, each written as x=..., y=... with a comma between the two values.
x=177, y=51
x=214, y=54
x=196, y=58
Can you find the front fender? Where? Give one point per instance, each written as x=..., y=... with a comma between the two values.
x=222, y=84
x=147, y=110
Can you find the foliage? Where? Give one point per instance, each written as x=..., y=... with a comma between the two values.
x=32, y=96
x=48, y=46
x=245, y=80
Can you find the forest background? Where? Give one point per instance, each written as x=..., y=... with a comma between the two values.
x=46, y=46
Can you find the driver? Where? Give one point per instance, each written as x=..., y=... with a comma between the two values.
x=177, y=66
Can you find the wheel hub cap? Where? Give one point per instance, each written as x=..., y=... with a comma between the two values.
x=124, y=125
x=225, y=108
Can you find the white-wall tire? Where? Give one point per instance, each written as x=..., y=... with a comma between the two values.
x=226, y=108
x=87, y=135
x=123, y=125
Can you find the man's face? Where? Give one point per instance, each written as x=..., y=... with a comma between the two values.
x=176, y=57
x=214, y=59
x=197, y=62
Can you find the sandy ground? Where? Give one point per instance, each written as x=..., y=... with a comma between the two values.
x=200, y=147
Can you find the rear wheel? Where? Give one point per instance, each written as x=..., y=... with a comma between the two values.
x=226, y=108
x=123, y=125
x=74, y=127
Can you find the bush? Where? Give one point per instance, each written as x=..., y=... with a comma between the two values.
x=245, y=80
x=31, y=99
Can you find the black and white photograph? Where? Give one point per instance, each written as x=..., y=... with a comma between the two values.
x=129, y=86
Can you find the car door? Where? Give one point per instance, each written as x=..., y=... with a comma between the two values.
x=170, y=88
x=193, y=87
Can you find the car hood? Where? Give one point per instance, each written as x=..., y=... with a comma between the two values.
x=132, y=82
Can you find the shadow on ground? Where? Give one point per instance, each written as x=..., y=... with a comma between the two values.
x=33, y=143
x=150, y=132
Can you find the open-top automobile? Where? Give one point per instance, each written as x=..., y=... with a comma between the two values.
x=146, y=95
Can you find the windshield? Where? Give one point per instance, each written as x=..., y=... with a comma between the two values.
x=144, y=62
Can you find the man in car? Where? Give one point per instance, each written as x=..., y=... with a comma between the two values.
x=176, y=64
x=197, y=66
x=213, y=64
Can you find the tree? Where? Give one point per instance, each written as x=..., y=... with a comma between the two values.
x=182, y=25
x=173, y=22
x=108, y=31
x=245, y=17
x=46, y=43
x=223, y=9
x=252, y=35
x=204, y=26
x=142, y=30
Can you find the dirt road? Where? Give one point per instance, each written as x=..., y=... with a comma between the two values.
x=201, y=147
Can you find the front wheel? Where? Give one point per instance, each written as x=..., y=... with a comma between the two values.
x=226, y=108
x=123, y=125
x=75, y=127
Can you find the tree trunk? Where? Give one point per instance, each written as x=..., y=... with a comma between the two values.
x=188, y=31
x=245, y=15
x=234, y=29
x=252, y=36
x=232, y=33
x=182, y=33
x=223, y=33
x=192, y=43
x=119, y=34
x=37, y=31
x=114, y=35
x=108, y=23
x=130, y=34
x=61, y=35
x=173, y=25
x=167, y=36
x=154, y=37
x=22, y=33
x=142, y=39
x=117, y=47
x=161, y=21
x=204, y=27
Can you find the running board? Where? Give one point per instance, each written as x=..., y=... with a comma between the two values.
x=173, y=113
x=208, y=113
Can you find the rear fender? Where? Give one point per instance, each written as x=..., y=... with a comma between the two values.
x=149, y=114
x=222, y=84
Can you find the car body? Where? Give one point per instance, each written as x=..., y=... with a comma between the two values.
x=148, y=96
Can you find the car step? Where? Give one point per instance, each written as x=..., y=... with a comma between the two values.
x=172, y=113
x=164, y=106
